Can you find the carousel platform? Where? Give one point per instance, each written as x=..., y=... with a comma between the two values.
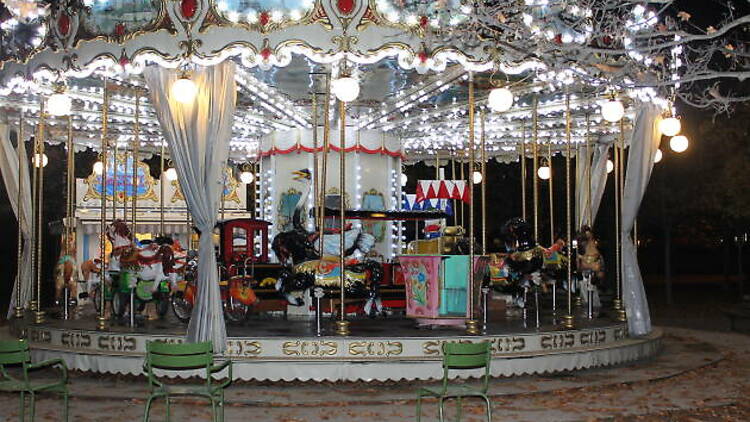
x=378, y=350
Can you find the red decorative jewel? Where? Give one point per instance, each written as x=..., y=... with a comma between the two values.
x=265, y=53
x=264, y=18
x=558, y=38
x=346, y=7
x=63, y=24
x=120, y=29
x=124, y=60
x=422, y=56
x=188, y=8
x=607, y=39
x=423, y=21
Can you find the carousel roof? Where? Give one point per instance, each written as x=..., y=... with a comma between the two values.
x=414, y=74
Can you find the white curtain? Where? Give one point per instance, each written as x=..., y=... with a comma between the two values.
x=596, y=161
x=198, y=136
x=643, y=144
x=10, y=173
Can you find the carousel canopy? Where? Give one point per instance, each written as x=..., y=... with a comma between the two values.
x=413, y=61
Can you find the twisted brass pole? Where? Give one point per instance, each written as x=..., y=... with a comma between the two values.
x=342, y=325
x=534, y=150
x=316, y=170
x=19, y=308
x=38, y=164
x=522, y=159
x=162, y=190
x=101, y=320
x=551, y=195
x=589, y=163
x=617, y=302
x=136, y=146
x=568, y=320
x=472, y=325
x=621, y=314
x=484, y=182
x=324, y=165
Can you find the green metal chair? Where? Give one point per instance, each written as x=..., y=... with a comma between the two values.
x=185, y=357
x=15, y=353
x=460, y=356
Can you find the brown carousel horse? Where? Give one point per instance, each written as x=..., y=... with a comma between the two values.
x=588, y=257
x=66, y=273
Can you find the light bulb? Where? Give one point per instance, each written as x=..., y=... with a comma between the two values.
x=98, y=167
x=59, y=104
x=670, y=126
x=37, y=160
x=404, y=179
x=658, y=156
x=679, y=143
x=610, y=166
x=247, y=177
x=171, y=174
x=612, y=111
x=346, y=89
x=500, y=99
x=476, y=177
x=184, y=90
x=544, y=172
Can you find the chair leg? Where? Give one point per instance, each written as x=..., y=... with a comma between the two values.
x=65, y=406
x=21, y=415
x=489, y=409
x=419, y=408
x=222, y=405
x=32, y=405
x=168, y=406
x=213, y=410
x=440, y=409
x=458, y=409
x=148, y=409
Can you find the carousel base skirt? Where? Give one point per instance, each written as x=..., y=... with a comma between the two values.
x=387, y=349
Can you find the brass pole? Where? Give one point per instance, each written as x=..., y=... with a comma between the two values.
x=34, y=185
x=19, y=308
x=316, y=170
x=484, y=181
x=114, y=181
x=472, y=325
x=38, y=161
x=522, y=160
x=342, y=325
x=535, y=153
x=162, y=190
x=621, y=314
x=568, y=320
x=617, y=302
x=589, y=163
x=463, y=177
x=101, y=321
x=70, y=191
x=551, y=196
x=324, y=165
x=453, y=177
x=136, y=146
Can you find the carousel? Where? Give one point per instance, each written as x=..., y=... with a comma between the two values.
x=281, y=224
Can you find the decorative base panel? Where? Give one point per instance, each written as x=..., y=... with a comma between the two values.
x=332, y=358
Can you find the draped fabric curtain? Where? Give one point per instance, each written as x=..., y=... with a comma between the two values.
x=11, y=176
x=596, y=163
x=198, y=136
x=643, y=146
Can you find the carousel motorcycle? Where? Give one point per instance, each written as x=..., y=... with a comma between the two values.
x=305, y=267
x=237, y=295
x=147, y=273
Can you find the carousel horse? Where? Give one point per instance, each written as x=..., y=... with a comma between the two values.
x=305, y=267
x=519, y=268
x=588, y=256
x=66, y=272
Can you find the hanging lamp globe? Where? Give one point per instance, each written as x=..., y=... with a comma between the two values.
x=544, y=172
x=247, y=177
x=476, y=177
x=184, y=90
x=670, y=126
x=59, y=104
x=346, y=89
x=658, y=156
x=679, y=143
x=98, y=168
x=610, y=166
x=612, y=111
x=404, y=179
x=171, y=174
x=40, y=160
x=500, y=100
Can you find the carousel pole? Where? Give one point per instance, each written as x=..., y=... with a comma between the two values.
x=316, y=173
x=34, y=183
x=324, y=165
x=463, y=177
x=621, y=314
x=19, y=308
x=551, y=195
x=568, y=320
x=114, y=181
x=162, y=192
x=472, y=325
x=589, y=163
x=484, y=180
x=617, y=302
x=38, y=165
x=342, y=325
x=453, y=177
x=522, y=160
x=535, y=153
x=136, y=146
x=69, y=213
x=101, y=320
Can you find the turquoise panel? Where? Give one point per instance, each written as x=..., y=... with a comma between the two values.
x=454, y=286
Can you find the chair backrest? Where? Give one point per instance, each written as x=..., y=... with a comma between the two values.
x=14, y=352
x=175, y=357
x=467, y=356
